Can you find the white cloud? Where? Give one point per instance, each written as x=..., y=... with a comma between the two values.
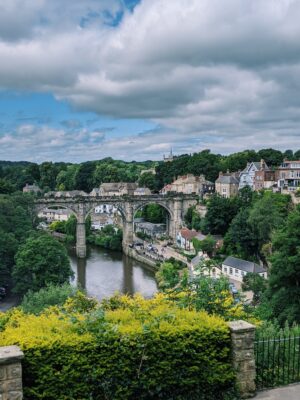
x=218, y=74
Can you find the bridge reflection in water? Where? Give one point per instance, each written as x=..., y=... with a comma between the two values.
x=105, y=272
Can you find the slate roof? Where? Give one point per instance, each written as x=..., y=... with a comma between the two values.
x=227, y=179
x=247, y=266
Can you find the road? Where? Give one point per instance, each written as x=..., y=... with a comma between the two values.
x=8, y=302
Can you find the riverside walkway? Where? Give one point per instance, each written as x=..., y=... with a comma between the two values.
x=291, y=392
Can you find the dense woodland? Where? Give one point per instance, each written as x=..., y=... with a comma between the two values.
x=87, y=175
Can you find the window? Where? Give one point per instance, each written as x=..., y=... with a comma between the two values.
x=230, y=271
x=236, y=272
x=225, y=270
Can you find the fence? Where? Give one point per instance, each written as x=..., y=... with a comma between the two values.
x=277, y=361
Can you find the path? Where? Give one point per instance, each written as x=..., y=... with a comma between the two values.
x=8, y=302
x=291, y=392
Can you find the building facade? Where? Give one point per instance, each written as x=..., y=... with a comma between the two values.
x=264, y=179
x=189, y=184
x=31, y=188
x=236, y=269
x=247, y=176
x=227, y=185
x=288, y=175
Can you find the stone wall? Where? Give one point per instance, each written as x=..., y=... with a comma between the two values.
x=10, y=373
x=243, y=358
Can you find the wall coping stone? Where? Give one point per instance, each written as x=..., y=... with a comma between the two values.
x=240, y=326
x=10, y=354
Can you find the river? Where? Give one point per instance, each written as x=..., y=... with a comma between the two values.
x=105, y=272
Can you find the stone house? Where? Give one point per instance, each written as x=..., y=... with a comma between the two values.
x=236, y=269
x=264, y=179
x=227, y=185
x=31, y=188
x=55, y=214
x=117, y=189
x=150, y=229
x=142, y=191
x=189, y=184
x=247, y=176
x=288, y=175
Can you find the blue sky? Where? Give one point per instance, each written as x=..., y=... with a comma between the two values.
x=130, y=79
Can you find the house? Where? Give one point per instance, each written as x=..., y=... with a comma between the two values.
x=142, y=191
x=184, y=238
x=55, y=214
x=247, y=176
x=227, y=185
x=99, y=221
x=264, y=179
x=31, y=188
x=117, y=189
x=150, y=229
x=236, y=268
x=189, y=184
x=105, y=209
x=288, y=175
x=200, y=259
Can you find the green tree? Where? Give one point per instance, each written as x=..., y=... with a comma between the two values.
x=284, y=278
x=206, y=245
x=240, y=239
x=257, y=284
x=154, y=213
x=220, y=213
x=40, y=261
x=148, y=180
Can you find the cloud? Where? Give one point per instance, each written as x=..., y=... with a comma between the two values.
x=206, y=74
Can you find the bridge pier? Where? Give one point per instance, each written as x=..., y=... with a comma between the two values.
x=128, y=228
x=80, y=240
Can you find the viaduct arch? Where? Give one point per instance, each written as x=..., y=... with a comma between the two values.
x=82, y=206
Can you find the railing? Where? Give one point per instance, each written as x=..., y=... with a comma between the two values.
x=277, y=361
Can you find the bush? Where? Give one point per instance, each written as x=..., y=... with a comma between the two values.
x=36, y=302
x=129, y=348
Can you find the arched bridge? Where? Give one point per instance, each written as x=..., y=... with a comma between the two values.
x=82, y=205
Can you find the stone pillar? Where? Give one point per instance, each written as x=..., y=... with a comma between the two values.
x=80, y=233
x=243, y=358
x=11, y=373
x=176, y=219
x=128, y=228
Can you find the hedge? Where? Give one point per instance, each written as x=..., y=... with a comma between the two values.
x=124, y=349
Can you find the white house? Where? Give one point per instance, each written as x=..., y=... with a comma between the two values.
x=236, y=268
x=247, y=176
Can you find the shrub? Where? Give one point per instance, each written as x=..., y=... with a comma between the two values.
x=36, y=302
x=128, y=348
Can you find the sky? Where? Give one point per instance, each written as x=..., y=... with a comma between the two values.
x=130, y=79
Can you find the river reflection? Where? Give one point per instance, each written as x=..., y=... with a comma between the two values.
x=105, y=272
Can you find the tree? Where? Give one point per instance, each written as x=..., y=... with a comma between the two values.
x=240, y=238
x=257, y=284
x=154, y=213
x=40, y=261
x=148, y=180
x=267, y=214
x=220, y=212
x=284, y=278
x=207, y=245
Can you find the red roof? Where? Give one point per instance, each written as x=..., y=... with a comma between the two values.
x=188, y=234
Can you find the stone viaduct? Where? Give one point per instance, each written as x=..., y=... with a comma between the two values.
x=82, y=205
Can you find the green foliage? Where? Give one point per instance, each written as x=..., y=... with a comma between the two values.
x=16, y=222
x=284, y=278
x=220, y=213
x=109, y=237
x=192, y=219
x=126, y=349
x=52, y=295
x=154, y=213
x=40, y=261
x=257, y=284
x=170, y=273
x=206, y=245
x=148, y=180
